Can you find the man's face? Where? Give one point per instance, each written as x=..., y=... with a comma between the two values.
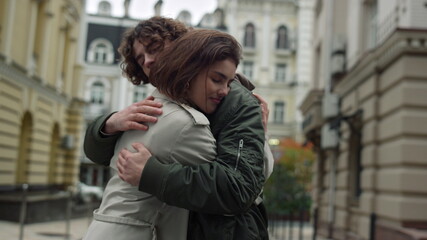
x=144, y=57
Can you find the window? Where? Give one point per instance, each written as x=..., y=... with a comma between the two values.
x=140, y=93
x=39, y=39
x=280, y=73
x=104, y=8
x=355, y=161
x=321, y=172
x=97, y=93
x=248, y=69
x=279, y=112
x=372, y=18
x=249, y=40
x=24, y=154
x=101, y=52
x=282, y=38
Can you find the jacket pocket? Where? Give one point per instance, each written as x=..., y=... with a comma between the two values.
x=239, y=151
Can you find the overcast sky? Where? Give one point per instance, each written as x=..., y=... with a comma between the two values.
x=145, y=8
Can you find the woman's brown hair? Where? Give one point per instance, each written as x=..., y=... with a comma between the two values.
x=154, y=31
x=180, y=63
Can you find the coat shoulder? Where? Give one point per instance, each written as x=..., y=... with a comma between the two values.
x=198, y=117
x=183, y=114
x=171, y=106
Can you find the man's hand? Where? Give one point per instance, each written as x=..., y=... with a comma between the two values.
x=131, y=164
x=264, y=109
x=133, y=117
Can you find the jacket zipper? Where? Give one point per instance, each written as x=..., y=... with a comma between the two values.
x=238, y=153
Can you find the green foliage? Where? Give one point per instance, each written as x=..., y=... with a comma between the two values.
x=287, y=189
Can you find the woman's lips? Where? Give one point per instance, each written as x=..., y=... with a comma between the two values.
x=216, y=100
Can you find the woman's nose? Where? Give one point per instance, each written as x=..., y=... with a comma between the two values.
x=224, y=90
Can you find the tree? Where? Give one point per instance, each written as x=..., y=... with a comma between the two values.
x=288, y=187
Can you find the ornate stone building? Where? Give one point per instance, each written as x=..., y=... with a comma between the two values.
x=105, y=89
x=366, y=113
x=40, y=103
x=275, y=55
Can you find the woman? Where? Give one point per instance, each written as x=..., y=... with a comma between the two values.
x=194, y=75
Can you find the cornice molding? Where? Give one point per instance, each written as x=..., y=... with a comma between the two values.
x=15, y=74
x=312, y=97
x=401, y=42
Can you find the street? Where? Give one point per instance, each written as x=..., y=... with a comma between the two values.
x=57, y=230
x=54, y=230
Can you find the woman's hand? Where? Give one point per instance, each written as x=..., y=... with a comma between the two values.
x=134, y=117
x=131, y=164
x=264, y=109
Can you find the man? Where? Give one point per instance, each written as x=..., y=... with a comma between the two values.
x=223, y=196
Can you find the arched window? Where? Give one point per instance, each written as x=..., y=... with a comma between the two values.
x=97, y=93
x=100, y=51
x=282, y=38
x=54, y=154
x=104, y=8
x=249, y=40
x=23, y=162
x=185, y=17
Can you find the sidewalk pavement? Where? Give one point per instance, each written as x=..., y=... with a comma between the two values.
x=55, y=230
x=282, y=232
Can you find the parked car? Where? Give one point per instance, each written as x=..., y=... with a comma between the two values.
x=86, y=193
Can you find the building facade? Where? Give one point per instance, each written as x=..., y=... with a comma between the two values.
x=105, y=89
x=40, y=103
x=269, y=32
x=366, y=113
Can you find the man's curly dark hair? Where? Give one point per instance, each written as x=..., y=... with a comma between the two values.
x=154, y=31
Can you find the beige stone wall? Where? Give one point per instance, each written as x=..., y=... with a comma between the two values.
x=394, y=139
x=387, y=80
x=403, y=138
x=38, y=82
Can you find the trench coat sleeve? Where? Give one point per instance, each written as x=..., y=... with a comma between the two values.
x=97, y=147
x=224, y=186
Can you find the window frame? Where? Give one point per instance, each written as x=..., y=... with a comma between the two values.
x=249, y=40
x=282, y=41
x=97, y=93
x=279, y=109
x=93, y=54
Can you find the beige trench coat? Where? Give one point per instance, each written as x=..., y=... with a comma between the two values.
x=181, y=134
